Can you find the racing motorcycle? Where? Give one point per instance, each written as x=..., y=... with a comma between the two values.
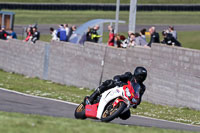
x=109, y=105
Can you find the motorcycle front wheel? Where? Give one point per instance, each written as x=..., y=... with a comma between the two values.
x=80, y=112
x=111, y=112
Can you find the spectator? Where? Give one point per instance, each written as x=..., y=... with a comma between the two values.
x=29, y=32
x=13, y=34
x=88, y=34
x=122, y=38
x=111, y=36
x=129, y=34
x=173, y=32
x=169, y=39
x=117, y=41
x=132, y=40
x=125, y=43
x=71, y=31
x=53, y=34
x=94, y=34
x=36, y=35
x=3, y=34
x=139, y=40
x=155, y=38
x=142, y=33
x=61, y=33
x=67, y=30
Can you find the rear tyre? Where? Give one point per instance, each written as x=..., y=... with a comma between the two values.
x=80, y=112
x=111, y=113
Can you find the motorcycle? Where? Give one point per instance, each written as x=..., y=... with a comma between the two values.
x=109, y=105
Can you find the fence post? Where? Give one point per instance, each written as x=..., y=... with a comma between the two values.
x=46, y=61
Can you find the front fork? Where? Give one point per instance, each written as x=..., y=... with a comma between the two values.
x=122, y=100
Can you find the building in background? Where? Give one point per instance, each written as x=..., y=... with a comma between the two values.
x=7, y=20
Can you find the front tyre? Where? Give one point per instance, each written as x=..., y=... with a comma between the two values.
x=125, y=115
x=80, y=112
x=111, y=113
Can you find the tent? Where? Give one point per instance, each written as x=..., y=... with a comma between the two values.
x=79, y=36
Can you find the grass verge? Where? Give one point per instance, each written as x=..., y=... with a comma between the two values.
x=79, y=17
x=44, y=88
x=23, y=123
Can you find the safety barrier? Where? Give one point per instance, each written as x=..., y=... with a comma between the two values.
x=173, y=72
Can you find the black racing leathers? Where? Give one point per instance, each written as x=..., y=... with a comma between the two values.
x=129, y=77
x=120, y=80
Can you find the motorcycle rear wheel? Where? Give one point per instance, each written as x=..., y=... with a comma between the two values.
x=80, y=112
x=111, y=113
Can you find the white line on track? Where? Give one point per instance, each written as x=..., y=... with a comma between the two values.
x=38, y=96
x=78, y=104
x=164, y=120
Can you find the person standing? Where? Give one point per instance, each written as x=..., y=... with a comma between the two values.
x=88, y=34
x=155, y=38
x=173, y=32
x=132, y=40
x=29, y=32
x=61, y=33
x=36, y=35
x=3, y=34
x=67, y=30
x=142, y=34
x=71, y=31
x=139, y=40
x=94, y=34
x=53, y=34
x=111, y=36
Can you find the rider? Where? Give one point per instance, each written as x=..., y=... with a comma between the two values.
x=136, y=79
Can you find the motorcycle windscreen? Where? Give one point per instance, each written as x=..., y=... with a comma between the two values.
x=91, y=110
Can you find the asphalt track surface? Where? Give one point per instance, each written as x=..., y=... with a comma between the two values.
x=12, y=101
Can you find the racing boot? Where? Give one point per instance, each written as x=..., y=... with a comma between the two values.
x=102, y=88
x=92, y=97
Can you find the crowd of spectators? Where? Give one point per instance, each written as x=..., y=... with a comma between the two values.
x=139, y=39
x=133, y=39
x=63, y=33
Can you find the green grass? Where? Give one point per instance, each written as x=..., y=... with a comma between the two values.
x=79, y=17
x=38, y=87
x=108, y=1
x=43, y=88
x=23, y=123
x=190, y=39
x=45, y=38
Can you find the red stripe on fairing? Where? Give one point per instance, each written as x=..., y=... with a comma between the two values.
x=117, y=101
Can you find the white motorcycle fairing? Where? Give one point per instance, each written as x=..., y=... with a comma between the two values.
x=109, y=95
